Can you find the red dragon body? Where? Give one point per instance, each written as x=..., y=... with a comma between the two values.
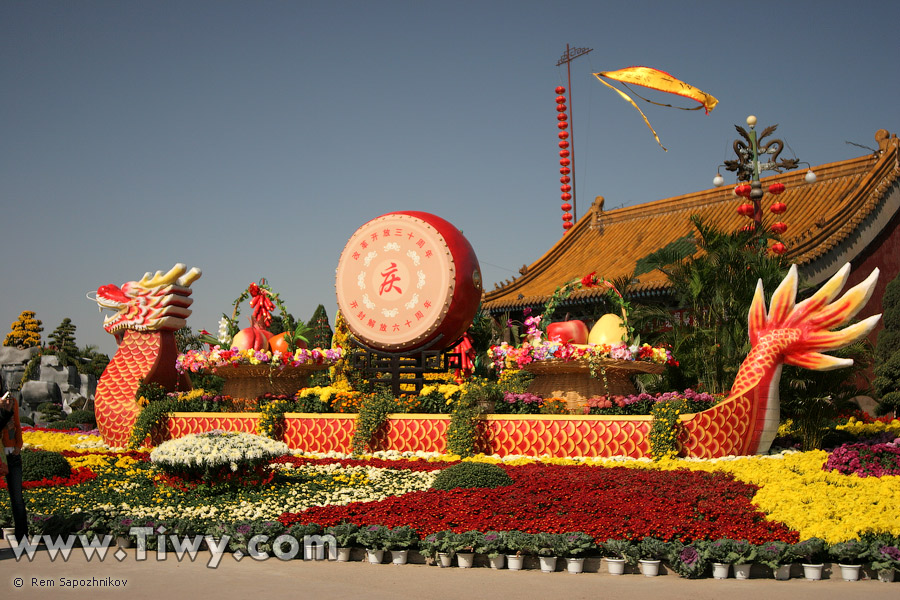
x=148, y=313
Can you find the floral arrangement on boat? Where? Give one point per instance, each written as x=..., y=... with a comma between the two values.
x=255, y=345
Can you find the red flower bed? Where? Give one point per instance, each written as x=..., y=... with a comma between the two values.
x=616, y=502
x=79, y=475
x=405, y=465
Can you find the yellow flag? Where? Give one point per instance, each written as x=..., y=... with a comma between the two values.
x=660, y=81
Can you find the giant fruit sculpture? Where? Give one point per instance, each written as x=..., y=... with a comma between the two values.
x=148, y=313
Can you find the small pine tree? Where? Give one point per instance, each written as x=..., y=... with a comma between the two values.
x=887, y=352
x=26, y=331
x=62, y=343
x=321, y=330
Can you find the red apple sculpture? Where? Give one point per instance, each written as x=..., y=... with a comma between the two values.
x=575, y=332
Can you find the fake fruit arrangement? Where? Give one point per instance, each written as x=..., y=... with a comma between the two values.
x=575, y=332
x=609, y=329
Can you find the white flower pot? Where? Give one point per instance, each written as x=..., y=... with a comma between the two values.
x=515, y=562
x=813, y=572
x=398, y=557
x=445, y=559
x=783, y=573
x=850, y=572
x=8, y=532
x=742, y=571
x=720, y=570
x=464, y=560
x=548, y=564
x=374, y=556
x=314, y=552
x=497, y=562
x=615, y=566
x=575, y=565
x=343, y=554
x=886, y=575
x=650, y=568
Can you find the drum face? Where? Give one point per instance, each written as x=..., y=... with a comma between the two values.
x=406, y=279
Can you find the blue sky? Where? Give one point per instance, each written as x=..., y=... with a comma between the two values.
x=251, y=139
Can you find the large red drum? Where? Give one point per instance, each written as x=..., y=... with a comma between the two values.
x=408, y=280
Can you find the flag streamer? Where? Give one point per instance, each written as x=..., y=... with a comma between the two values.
x=657, y=80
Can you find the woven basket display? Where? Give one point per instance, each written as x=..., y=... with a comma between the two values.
x=249, y=382
x=572, y=380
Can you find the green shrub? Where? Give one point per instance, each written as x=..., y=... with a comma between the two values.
x=41, y=464
x=472, y=475
x=82, y=417
x=26, y=420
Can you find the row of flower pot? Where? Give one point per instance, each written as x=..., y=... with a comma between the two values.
x=614, y=566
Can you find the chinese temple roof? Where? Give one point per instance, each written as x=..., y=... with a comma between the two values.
x=830, y=222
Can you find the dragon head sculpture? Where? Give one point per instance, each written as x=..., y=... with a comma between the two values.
x=155, y=303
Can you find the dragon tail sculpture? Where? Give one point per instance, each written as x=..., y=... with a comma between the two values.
x=147, y=315
x=789, y=333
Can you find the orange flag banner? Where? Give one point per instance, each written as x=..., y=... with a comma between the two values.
x=656, y=80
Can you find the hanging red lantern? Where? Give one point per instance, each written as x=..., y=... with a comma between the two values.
x=566, y=196
x=779, y=227
x=564, y=144
x=561, y=108
x=560, y=90
x=565, y=179
x=561, y=117
x=560, y=99
x=778, y=207
x=565, y=171
x=778, y=248
x=563, y=135
x=566, y=207
x=745, y=209
x=563, y=125
x=776, y=188
x=742, y=189
x=567, y=217
x=568, y=225
x=565, y=188
x=564, y=153
x=565, y=162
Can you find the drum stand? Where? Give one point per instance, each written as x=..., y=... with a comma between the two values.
x=399, y=368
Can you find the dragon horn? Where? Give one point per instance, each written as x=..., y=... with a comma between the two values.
x=756, y=320
x=830, y=340
x=841, y=311
x=816, y=361
x=783, y=299
x=822, y=297
x=190, y=277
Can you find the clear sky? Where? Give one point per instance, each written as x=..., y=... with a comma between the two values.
x=251, y=139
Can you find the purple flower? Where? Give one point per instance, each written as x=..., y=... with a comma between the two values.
x=689, y=556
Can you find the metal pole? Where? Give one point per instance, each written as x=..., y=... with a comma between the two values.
x=567, y=58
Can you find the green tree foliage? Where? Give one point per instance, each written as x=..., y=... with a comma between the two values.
x=25, y=331
x=93, y=362
x=716, y=286
x=321, y=329
x=887, y=352
x=62, y=343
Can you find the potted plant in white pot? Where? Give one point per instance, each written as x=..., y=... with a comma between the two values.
x=811, y=553
x=375, y=539
x=431, y=546
x=885, y=557
x=492, y=545
x=777, y=556
x=463, y=546
x=573, y=547
x=850, y=555
x=651, y=551
x=518, y=545
x=400, y=540
x=618, y=554
x=344, y=535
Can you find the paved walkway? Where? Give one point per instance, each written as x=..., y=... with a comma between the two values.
x=43, y=578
